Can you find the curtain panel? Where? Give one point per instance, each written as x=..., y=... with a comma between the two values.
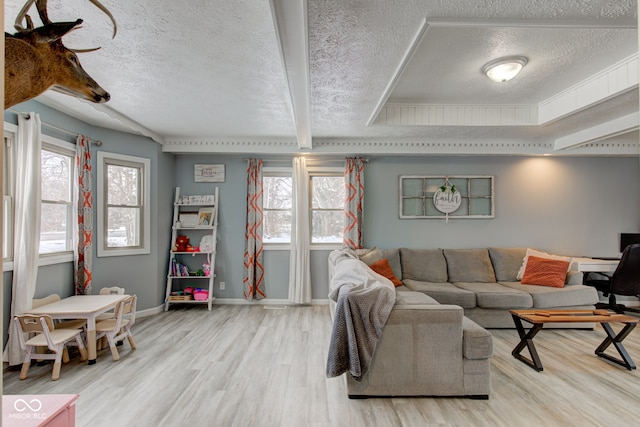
x=354, y=202
x=83, y=227
x=26, y=226
x=299, y=273
x=253, y=281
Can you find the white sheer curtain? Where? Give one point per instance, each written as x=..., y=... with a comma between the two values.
x=299, y=274
x=26, y=225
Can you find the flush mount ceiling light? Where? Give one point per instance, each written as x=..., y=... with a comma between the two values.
x=504, y=69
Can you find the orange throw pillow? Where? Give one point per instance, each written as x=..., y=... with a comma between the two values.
x=545, y=272
x=383, y=268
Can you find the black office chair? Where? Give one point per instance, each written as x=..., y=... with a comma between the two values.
x=624, y=281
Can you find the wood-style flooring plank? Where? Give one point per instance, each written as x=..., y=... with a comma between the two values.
x=250, y=366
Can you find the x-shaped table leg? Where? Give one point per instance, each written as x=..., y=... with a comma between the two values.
x=526, y=340
x=616, y=340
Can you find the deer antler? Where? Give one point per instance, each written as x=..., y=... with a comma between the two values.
x=41, y=6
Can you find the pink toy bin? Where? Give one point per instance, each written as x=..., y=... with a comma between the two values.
x=201, y=294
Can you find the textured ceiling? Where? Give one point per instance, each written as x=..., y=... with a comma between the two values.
x=259, y=75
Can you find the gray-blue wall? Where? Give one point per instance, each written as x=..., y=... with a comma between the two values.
x=143, y=275
x=567, y=205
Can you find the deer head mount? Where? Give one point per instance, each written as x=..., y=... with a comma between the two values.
x=36, y=59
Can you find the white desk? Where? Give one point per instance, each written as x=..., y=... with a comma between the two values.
x=586, y=265
x=81, y=307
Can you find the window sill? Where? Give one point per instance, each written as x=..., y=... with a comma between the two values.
x=44, y=260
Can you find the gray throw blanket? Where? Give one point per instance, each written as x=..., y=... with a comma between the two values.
x=364, y=300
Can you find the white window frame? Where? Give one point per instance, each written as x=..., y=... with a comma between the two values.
x=276, y=172
x=145, y=240
x=11, y=131
x=8, y=194
x=55, y=145
x=321, y=171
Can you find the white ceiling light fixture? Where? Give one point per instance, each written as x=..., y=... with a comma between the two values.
x=504, y=69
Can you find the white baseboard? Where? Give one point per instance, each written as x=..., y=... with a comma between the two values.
x=266, y=301
x=235, y=301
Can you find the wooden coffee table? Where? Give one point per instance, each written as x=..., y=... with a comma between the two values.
x=538, y=318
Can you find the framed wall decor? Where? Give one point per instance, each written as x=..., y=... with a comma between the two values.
x=208, y=173
x=205, y=217
x=188, y=219
x=439, y=196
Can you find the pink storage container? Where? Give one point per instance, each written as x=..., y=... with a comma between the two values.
x=200, y=294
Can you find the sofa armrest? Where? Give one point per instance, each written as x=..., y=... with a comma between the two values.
x=477, y=342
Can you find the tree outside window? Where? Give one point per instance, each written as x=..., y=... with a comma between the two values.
x=123, y=205
x=56, y=169
x=327, y=208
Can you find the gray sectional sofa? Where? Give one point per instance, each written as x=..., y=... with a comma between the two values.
x=434, y=342
x=425, y=349
x=484, y=283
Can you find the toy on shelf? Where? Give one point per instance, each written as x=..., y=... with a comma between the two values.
x=182, y=244
x=206, y=268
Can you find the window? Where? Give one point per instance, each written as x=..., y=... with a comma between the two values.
x=474, y=196
x=277, y=186
x=8, y=188
x=124, y=205
x=56, y=223
x=327, y=207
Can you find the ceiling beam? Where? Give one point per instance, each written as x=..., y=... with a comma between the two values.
x=292, y=33
x=599, y=132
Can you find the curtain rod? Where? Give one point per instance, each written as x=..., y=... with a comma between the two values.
x=364, y=159
x=59, y=129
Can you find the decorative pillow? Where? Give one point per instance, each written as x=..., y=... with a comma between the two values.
x=371, y=256
x=540, y=254
x=383, y=268
x=545, y=272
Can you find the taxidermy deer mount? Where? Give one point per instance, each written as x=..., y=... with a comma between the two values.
x=36, y=59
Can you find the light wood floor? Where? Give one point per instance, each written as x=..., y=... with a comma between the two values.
x=249, y=366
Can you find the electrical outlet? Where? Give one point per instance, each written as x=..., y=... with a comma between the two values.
x=222, y=286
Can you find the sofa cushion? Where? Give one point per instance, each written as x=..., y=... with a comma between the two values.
x=383, y=268
x=545, y=272
x=469, y=265
x=426, y=265
x=393, y=255
x=507, y=262
x=477, y=342
x=494, y=295
x=410, y=298
x=444, y=293
x=546, y=297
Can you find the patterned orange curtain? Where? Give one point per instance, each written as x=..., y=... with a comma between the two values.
x=83, y=236
x=253, y=281
x=354, y=201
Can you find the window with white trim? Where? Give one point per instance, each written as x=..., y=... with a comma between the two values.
x=326, y=210
x=123, y=205
x=57, y=162
x=8, y=188
x=327, y=207
x=277, y=187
